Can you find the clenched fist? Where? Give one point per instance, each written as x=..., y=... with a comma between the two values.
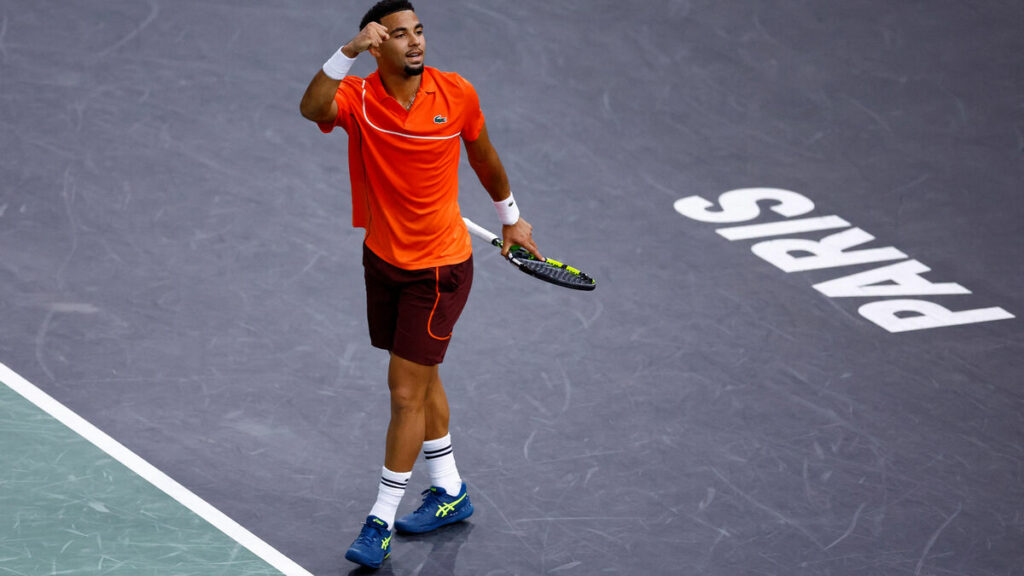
x=369, y=37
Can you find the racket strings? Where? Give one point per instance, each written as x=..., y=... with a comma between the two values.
x=551, y=270
x=559, y=274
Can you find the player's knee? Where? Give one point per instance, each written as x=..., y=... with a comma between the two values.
x=407, y=398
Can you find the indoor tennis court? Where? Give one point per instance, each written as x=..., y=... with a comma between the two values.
x=804, y=354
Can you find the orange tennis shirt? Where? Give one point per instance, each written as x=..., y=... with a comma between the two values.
x=404, y=165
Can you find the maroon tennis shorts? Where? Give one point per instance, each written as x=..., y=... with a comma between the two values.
x=412, y=312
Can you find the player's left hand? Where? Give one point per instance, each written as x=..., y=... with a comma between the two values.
x=519, y=234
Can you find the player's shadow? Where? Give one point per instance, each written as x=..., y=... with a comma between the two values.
x=385, y=570
x=446, y=543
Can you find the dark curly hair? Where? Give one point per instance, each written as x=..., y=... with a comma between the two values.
x=382, y=9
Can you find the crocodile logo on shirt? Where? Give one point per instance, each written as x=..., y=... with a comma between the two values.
x=439, y=119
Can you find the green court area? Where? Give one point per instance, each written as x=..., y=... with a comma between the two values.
x=67, y=507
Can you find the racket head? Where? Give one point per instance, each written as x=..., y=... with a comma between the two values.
x=550, y=270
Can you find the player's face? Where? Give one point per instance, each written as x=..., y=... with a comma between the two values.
x=405, y=47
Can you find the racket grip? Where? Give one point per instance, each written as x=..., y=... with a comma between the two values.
x=481, y=232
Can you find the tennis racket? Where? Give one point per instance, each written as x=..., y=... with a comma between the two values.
x=548, y=270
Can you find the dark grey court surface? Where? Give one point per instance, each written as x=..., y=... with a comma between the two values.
x=177, y=266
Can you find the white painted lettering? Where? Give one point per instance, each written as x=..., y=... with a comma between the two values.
x=782, y=227
x=892, y=315
x=829, y=252
x=741, y=205
x=900, y=279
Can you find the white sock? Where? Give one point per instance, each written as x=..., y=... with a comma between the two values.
x=389, y=495
x=441, y=465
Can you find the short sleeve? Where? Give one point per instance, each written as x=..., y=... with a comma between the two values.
x=474, y=117
x=348, y=98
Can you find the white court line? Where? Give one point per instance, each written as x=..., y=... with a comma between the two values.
x=136, y=464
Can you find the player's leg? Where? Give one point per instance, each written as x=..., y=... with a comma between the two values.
x=384, y=285
x=437, y=412
x=437, y=448
x=446, y=500
x=408, y=383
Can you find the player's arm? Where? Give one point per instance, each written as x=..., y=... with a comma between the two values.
x=318, y=103
x=491, y=172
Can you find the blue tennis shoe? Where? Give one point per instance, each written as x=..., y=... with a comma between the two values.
x=438, y=509
x=373, y=545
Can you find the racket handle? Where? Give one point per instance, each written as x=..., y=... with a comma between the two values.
x=481, y=232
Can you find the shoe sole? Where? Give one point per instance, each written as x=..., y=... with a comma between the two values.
x=354, y=557
x=462, y=515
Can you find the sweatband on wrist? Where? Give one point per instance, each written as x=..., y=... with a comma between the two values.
x=508, y=210
x=337, y=66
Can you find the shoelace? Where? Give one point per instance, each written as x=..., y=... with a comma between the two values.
x=368, y=533
x=432, y=499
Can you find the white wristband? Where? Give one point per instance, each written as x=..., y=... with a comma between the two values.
x=337, y=66
x=508, y=210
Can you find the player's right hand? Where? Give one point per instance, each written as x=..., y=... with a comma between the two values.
x=371, y=36
x=519, y=234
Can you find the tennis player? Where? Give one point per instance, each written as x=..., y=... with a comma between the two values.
x=404, y=123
